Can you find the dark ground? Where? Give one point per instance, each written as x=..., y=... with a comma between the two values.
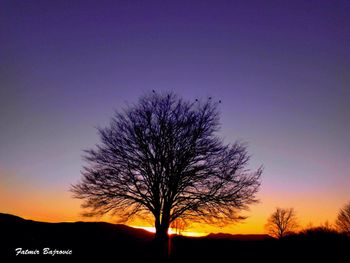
x=104, y=241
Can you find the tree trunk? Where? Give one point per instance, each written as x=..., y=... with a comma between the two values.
x=162, y=238
x=162, y=225
x=161, y=233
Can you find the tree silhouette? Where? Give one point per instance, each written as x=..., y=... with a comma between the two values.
x=343, y=219
x=282, y=222
x=178, y=225
x=163, y=157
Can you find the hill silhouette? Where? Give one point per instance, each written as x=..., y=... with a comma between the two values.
x=240, y=237
x=85, y=239
x=104, y=241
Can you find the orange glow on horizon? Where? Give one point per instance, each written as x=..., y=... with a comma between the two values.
x=172, y=231
x=57, y=205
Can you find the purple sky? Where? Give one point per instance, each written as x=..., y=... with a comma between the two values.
x=281, y=69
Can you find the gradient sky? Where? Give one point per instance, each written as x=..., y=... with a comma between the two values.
x=281, y=69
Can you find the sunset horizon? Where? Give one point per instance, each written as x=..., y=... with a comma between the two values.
x=216, y=115
x=308, y=213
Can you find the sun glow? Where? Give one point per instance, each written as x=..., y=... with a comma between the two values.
x=172, y=231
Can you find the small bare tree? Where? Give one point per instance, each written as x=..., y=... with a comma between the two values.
x=163, y=157
x=343, y=219
x=282, y=222
x=178, y=225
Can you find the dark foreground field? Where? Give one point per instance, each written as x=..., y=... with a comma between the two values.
x=121, y=243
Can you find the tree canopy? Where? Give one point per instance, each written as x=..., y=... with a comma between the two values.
x=163, y=156
x=343, y=219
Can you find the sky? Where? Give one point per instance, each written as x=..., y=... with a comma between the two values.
x=281, y=69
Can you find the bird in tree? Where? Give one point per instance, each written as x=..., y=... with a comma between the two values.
x=162, y=157
x=343, y=219
x=282, y=222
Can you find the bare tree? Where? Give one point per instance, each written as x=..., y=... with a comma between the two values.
x=163, y=157
x=343, y=219
x=178, y=225
x=282, y=222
